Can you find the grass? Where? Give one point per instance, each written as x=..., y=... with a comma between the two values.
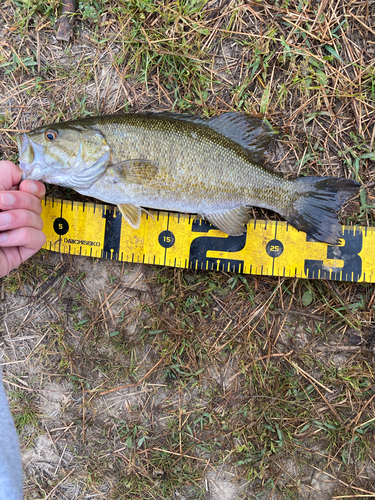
x=154, y=383
x=24, y=411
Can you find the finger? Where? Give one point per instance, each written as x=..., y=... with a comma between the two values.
x=27, y=237
x=10, y=200
x=26, y=252
x=33, y=187
x=13, y=219
x=10, y=175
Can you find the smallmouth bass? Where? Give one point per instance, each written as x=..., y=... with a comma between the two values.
x=167, y=161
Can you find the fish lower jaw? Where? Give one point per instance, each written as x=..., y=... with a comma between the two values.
x=31, y=172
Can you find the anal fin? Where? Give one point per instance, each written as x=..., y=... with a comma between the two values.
x=132, y=214
x=232, y=222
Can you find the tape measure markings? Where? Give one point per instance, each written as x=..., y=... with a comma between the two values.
x=181, y=240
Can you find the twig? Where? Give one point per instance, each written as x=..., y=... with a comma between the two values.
x=299, y=369
x=66, y=20
x=58, y=484
x=179, y=454
x=136, y=383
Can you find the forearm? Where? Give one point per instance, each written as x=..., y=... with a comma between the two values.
x=10, y=458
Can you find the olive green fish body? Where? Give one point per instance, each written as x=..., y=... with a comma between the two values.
x=201, y=172
x=182, y=163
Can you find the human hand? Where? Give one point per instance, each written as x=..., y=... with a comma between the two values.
x=20, y=223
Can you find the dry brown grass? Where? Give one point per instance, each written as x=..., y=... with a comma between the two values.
x=130, y=381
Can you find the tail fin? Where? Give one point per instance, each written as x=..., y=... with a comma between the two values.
x=315, y=209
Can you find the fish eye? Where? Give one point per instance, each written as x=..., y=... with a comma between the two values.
x=50, y=135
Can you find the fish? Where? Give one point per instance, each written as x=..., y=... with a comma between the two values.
x=212, y=167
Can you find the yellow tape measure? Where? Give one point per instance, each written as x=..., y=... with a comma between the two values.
x=171, y=239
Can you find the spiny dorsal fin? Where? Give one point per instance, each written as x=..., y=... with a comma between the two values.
x=232, y=222
x=250, y=132
x=178, y=116
x=131, y=214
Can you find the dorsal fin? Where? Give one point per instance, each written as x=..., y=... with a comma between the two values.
x=178, y=116
x=250, y=132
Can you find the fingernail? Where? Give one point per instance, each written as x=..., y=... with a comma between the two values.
x=3, y=237
x=5, y=218
x=7, y=199
x=32, y=188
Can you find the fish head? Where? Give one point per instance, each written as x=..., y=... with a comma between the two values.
x=70, y=155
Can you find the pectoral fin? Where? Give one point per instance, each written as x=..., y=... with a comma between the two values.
x=131, y=214
x=134, y=171
x=232, y=222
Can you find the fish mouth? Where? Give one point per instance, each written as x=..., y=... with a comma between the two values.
x=28, y=153
x=22, y=141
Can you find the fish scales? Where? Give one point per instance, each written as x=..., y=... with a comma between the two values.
x=181, y=184
x=212, y=167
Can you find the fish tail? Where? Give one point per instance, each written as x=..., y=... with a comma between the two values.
x=316, y=203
